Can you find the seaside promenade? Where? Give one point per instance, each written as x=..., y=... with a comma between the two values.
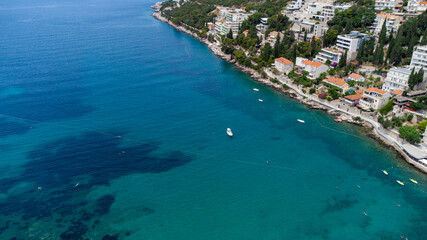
x=385, y=135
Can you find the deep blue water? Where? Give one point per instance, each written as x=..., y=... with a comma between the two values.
x=112, y=126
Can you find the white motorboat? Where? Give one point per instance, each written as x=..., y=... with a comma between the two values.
x=385, y=172
x=260, y=100
x=400, y=182
x=301, y=121
x=256, y=89
x=229, y=132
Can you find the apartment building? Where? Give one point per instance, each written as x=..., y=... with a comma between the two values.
x=419, y=58
x=392, y=22
x=397, y=79
x=352, y=41
x=387, y=4
x=374, y=98
x=328, y=54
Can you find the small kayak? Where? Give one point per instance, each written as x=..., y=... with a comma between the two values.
x=400, y=182
x=260, y=100
x=413, y=180
x=301, y=121
x=229, y=132
x=256, y=89
x=385, y=172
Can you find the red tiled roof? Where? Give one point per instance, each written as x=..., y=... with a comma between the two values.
x=337, y=81
x=397, y=92
x=354, y=97
x=314, y=64
x=360, y=91
x=387, y=16
x=283, y=60
x=355, y=76
x=372, y=89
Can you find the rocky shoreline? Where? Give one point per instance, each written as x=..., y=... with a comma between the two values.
x=369, y=127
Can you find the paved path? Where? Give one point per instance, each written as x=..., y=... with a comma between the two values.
x=377, y=127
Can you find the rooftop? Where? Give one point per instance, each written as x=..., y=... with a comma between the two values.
x=402, y=70
x=372, y=89
x=397, y=92
x=355, y=76
x=386, y=16
x=314, y=64
x=283, y=60
x=354, y=97
x=337, y=81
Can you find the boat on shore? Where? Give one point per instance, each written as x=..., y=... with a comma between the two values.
x=338, y=120
x=385, y=172
x=413, y=180
x=301, y=121
x=229, y=132
x=400, y=182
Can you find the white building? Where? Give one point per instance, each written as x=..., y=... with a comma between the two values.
x=356, y=77
x=392, y=23
x=416, y=6
x=314, y=69
x=386, y=4
x=397, y=79
x=352, y=41
x=315, y=8
x=222, y=28
x=296, y=4
x=283, y=65
x=328, y=54
x=328, y=12
x=235, y=18
x=320, y=29
x=263, y=25
x=374, y=98
x=419, y=58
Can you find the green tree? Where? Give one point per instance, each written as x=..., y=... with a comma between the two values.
x=230, y=34
x=266, y=52
x=410, y=134
x=343, y=60
x=383, y=34
x=422, y=125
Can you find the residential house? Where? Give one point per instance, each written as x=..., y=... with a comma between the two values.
x=356, y=77
x=374, y=98
x=313, y=68
x=353, y=99
x=283, y=65
x=211, y=26
x=336, y=82
x=397, y=79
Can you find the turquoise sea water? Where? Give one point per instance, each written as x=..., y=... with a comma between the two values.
x=113, y=124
